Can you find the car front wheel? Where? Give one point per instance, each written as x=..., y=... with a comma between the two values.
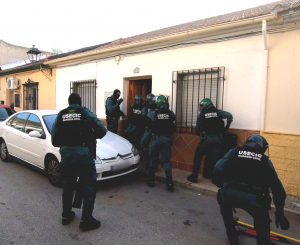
x=3, y=151
x=53, y=171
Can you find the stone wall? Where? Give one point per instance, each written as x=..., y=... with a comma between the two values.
x=284, y=152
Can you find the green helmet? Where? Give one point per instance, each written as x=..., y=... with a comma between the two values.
x=149, y=99
x=161, y=100
x=205, y=103
x=139, y=99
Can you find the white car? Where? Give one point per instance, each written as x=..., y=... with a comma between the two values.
x=25, y=137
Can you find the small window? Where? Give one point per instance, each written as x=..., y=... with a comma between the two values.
x=33, y=124
x=9, y=122
x=19, y=121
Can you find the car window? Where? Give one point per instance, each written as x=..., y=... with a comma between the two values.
x=33, y=124
x=10, y=121
x=19, y=120
x=5, y=113
x=49, y=120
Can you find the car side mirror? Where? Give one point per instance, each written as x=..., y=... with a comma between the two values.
x=35, y=134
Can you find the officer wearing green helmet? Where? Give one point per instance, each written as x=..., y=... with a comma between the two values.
x=244, y=176
x=146, y=139
x=210, y=123
x=162, y=140
x=135, y=130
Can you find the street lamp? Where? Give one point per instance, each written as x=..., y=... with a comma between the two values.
x=34, y=54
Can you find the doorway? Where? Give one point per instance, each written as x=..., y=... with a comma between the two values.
x=134, y=87
x=30, y=96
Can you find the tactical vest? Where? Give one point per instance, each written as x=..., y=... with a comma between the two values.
x=248, y=167
x=212, y=121
x=163, y=123
x=115, y=114
x=74, y=131
x=135, y=117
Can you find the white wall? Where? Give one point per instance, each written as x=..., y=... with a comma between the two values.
x=283, y=106
x=242, y=58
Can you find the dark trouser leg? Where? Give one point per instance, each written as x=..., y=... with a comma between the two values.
x=69, y=176
x=200, y=152
x=166, y=156
x=261, y=225
x=212, y=156
x=112, y=126
x=229, y=223
x=154, y=153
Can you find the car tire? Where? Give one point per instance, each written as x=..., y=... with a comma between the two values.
x=3, y=151
x=53, y=171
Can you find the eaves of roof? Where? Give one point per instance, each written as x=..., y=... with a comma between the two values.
x=236, y=18
x=24, y=68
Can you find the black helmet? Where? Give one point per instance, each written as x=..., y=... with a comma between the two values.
x=259, y=141
x=139, y=99
x=149, y=99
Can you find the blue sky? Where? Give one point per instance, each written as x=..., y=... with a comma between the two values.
x=70, y=25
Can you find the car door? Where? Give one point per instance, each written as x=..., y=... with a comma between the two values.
x=33, y=148
x=14, y=133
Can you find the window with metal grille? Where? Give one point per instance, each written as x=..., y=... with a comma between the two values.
x=87, y=91
x=192, y=86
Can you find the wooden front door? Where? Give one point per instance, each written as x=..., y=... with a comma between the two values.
x=135, y=87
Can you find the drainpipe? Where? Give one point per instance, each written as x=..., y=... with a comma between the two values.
x=265, y=76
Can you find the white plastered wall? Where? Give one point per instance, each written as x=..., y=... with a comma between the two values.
x=283, y=106
x=242, y=59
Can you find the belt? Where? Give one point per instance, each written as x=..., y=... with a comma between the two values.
x=247, y=189
x=109, y=118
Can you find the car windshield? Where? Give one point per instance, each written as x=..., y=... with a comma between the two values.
x=49, y=120
x=5, y=113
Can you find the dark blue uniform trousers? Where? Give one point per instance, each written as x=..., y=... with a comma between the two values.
x=163, y=144
x=256, y=207
x=78, y=161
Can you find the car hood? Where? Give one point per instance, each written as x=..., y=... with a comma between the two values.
x=112, y=145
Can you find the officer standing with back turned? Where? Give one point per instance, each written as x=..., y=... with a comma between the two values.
x=74, y=131
x=245, y=175
x=162, y=140
x=113, y=112
x=135, y=130
x=210, y=123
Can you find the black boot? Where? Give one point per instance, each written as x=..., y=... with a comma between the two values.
x=67, y=217
x=88, y=222
x=150, y=181
x=193, y=178
x=170, y=184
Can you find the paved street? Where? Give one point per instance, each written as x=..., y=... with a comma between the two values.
x=130, y=213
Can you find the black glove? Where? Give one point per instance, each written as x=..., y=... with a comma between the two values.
x=120, y=101
x=281, y=220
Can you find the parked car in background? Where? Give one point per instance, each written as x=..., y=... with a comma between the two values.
x=5, y=112
x=26, y=138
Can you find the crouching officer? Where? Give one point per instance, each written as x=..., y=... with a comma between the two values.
x=245, y=175
x=74, y=129
x=135, y=130
x=146, y=139
x=210, y=124
x=113, y=112
x=162, y=140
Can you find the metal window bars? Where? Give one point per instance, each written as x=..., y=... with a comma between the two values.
x=87, y=91
x=189, y=88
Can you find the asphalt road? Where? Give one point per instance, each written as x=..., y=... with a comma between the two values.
x=130, y=213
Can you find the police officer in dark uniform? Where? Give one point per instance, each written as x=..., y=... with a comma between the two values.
x=113, y=112
x=74, y=131
x=245, y=175
x=162, y=140
x=210, y=123
x=135, y=130
x=146, y=139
